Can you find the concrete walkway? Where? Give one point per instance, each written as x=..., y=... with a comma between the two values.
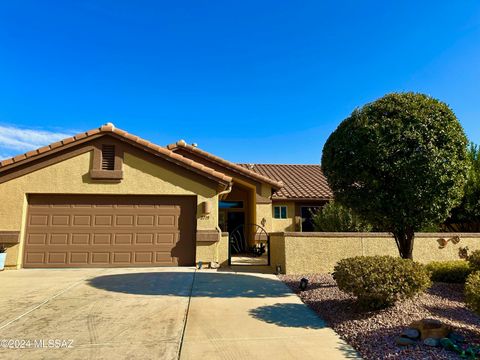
x=158, y=313
x=254, y=316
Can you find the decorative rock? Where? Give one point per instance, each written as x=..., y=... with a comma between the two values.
x=431, y=342
x=431, y=328
x=410, y=333
x=214, y=265
x=403, y=341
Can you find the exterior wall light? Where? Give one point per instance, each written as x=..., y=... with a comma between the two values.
x=206, y=208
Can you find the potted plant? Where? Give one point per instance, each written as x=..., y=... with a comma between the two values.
x=3, y=256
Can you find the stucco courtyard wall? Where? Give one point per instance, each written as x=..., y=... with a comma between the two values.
x=304, y=253
x=213, y=251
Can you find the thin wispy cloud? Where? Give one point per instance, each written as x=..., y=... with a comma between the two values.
x=15, y=140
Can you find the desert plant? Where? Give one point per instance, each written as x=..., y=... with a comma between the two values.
x=400, y=163
x=379, y=281
x=335, y=217
x=472, y=291
x=455, y=271
x=474, y=260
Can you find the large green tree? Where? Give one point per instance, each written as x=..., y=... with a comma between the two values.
x=400, y=163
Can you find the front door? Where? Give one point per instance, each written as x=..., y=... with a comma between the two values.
x=236, y=232
x=234, y=220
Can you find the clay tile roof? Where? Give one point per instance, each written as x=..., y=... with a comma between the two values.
x=300, y=181
x=238, y=168
x=110, y=128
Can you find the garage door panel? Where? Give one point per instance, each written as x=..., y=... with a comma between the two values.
x=100, y=258
x=103, y=220
x=80, y=258
x=82, y=220
x=57, y=257
x=36, y=239
x=98, y=231
x=123, y=239
x=38, y=220
x=58, y=239
x=165, y=239
x=124, y=220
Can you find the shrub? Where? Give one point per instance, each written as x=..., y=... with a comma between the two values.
x=335, y=217
x=455, y=271
x=472, y=291
x=474, y=260
x=379, y=281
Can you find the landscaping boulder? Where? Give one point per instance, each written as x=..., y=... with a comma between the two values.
x=431, y=342
x=404, y=341
x=431, y=328
x=410, y=333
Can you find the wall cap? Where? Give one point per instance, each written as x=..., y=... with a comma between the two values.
x=371, y=234
x=9, y=237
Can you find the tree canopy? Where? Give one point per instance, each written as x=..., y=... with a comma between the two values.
x=399, y=162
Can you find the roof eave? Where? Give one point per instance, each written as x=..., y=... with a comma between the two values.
x=284, y=198
x=136, y=141
x=277, y=185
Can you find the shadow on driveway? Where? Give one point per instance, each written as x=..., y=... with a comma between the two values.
x=288, y=315
x=215, y=285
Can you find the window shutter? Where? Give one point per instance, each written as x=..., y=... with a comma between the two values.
x=108, y=157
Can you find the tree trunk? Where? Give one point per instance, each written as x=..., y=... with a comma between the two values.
x=404, y=239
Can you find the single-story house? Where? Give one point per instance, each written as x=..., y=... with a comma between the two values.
x=107, y=198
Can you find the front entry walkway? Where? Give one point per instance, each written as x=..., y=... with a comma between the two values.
x=254, y=316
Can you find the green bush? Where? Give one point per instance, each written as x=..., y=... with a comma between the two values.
x=472, y=291
x=474, y=260
x=455, y=271
x=335, y=217
x=379, y=281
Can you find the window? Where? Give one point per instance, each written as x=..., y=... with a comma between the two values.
x=108, y=157
x=230, y=205
x=280, y=212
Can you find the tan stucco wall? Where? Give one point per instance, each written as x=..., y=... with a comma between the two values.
x=12, y=255
x=264, y=211
x=306, y=253
x=288, y=224
x=277, y=251
x=141, y=177
x=213, y=251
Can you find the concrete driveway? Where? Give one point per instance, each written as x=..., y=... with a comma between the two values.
x=160, y=313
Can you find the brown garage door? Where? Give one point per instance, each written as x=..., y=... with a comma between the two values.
x=109, y=231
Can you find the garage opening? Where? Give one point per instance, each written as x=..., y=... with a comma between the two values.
x=109, y=231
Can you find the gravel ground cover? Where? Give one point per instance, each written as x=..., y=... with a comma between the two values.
x=373, y=333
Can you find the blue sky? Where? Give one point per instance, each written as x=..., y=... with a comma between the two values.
x=251, y=81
